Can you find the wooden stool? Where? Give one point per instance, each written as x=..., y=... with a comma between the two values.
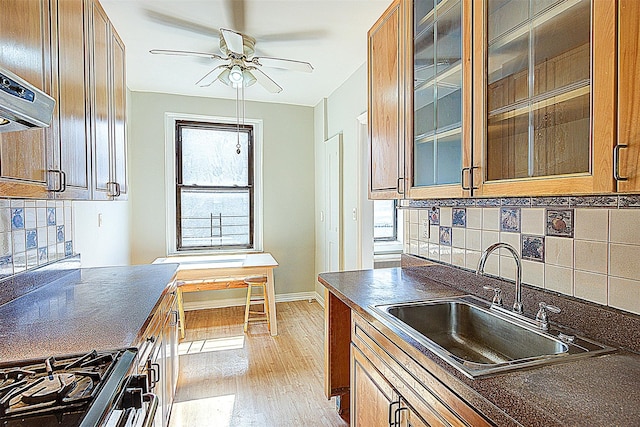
x=252, y=282
x=213, y=284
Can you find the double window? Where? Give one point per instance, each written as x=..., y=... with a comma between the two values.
x=214, y=186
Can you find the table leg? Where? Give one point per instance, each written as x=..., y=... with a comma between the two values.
x=181, y=313
x=271, y=295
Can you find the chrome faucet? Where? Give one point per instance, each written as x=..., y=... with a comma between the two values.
x=517, y=305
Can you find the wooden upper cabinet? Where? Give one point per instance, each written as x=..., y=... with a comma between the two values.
x=627, y=167
x=108, y=97
x=25, y=156
x=386, y=107
x=439, y=100
x=100, y=85
x=118, y=114
x=544, y=97
x=73, y=145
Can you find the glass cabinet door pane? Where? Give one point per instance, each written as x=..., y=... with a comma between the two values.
x=423, y=163
x=424, y=57
x=424, y=111
x=449, y=38
x=560, y=131
x=422, y=14
x=561, y=57
x=449, y=159
x=508, y=72
x=449, y=102
x=508, y=146
x=437, y=99
x=538, y=121
x=505, y=15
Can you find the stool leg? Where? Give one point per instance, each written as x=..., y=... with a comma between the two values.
x=266, y=305
x=181, y=323
x=246, y=309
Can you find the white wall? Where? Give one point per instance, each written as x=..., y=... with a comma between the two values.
x=288, y=181
x=343, y=107
x=101, y=233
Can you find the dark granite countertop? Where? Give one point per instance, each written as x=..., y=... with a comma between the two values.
x=594, y=391
x=94, y=308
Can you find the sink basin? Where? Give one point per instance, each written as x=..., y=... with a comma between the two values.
x=481, y=340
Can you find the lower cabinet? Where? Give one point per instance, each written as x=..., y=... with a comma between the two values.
x=390, y=388
x=159, y=357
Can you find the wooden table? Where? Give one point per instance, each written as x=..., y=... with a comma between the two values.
x=210, y=267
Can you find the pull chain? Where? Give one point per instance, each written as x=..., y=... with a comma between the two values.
x=238, y=118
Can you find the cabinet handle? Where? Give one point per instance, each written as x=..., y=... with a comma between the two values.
x=393, y=414
x=62, y=180
x=174, y=322
x=462, y=171
x=110, y=192
x=400, y=187
x=154, y=376
x=616, y=162
x=63, y=175
x=398, y=415
x=113, y=189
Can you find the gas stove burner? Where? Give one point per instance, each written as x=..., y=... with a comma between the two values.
x=52, y=391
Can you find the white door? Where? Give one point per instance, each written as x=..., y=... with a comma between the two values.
x=333, y=203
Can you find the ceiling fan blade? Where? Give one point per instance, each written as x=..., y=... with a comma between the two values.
x=211, y=76
x=180, y=23
x=185, y=53
x=265, y=81
x=285, y=64
x=293, y=36
x=233, y=41
x=236, y=10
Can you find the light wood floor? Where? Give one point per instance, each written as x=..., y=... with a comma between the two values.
x=253, y=379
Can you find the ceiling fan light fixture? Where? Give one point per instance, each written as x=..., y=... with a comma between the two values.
x=236, y=76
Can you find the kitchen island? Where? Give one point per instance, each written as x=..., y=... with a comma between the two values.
x=601, y=390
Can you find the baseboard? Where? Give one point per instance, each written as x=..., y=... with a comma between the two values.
x=319, y=299
x=231, y=302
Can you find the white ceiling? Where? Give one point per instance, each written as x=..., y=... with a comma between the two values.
x=330, y=34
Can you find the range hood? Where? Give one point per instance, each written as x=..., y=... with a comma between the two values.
x=22, y=105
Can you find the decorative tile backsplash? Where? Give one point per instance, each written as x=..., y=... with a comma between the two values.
x=33, y=233
x=586, y=247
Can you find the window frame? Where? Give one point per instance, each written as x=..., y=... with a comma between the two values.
x=189, y=124
x=171, y=165
x=395, y=224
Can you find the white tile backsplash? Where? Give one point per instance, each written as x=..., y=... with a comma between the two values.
x=591, y=224
x=559, y=251
x=624, y=294
x=533, y=273
x=624, y=261
x=445, y=217
x=491, y=219
x=590, y=286
x=624, y=226
x=591, y=256
x=558, y=279
x=600, y=263
x=532, y=221
x=474, y=218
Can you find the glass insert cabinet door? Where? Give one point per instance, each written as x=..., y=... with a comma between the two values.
x=538, y=94
x=437, y=98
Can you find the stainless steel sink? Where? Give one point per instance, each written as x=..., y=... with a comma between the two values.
x=481, y=340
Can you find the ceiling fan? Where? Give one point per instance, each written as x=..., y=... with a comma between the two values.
x=241, y=68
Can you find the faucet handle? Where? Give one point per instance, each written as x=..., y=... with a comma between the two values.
x=541, y=316
x=497, y=295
